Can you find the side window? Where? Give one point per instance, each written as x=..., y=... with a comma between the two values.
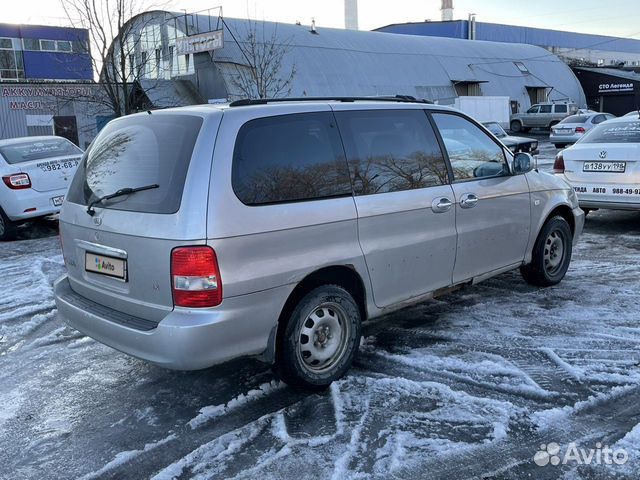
x=598, y=119
x=534, y=109
x=391, y=151
x=288, y=158
x=472, y=153
x=545, y=108
x=561, y=109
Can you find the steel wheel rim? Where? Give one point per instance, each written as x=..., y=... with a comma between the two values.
x=323, y=337
x=554, y=252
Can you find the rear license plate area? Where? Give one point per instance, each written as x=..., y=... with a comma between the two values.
x=105, y=265
x=605, y=167
x=57, y=201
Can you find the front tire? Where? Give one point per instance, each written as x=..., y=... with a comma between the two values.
x=7, y=227
x=320, y=339
x=516, y=126
x=551, y=254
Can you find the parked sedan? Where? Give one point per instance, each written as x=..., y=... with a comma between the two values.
x=36, y=172
x=572, y=128
x=604, y=166
x=515, y=144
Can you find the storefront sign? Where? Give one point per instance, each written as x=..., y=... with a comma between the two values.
x=202, y=42
x=615, y=87
x=42, y=91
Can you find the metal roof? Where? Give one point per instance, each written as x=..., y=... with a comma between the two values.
x=336, y=62
x=614, y=72
x=347, y=62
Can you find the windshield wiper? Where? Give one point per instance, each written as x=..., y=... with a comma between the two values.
x=119, y=193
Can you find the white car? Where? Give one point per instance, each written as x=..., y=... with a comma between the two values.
x=603, y=167
x=36, y=173
x=574, y=127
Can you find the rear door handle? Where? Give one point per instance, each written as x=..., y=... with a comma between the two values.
x=441, y=205
x=468, y=200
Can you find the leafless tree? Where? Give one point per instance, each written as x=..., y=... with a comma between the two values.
x=113, y=47
x=262, y=76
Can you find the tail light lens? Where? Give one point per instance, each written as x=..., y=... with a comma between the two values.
x=17, y=181
x=558, y=164
x=195, y=277
x=580, y=130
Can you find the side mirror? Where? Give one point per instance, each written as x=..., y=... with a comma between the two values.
x=522, y=163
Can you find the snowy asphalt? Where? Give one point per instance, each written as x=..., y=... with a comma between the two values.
x=466, y=386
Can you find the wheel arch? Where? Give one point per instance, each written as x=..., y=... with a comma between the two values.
x=345, y=276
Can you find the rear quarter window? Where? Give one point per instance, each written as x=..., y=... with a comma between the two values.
x=137, y=151
x=37, y=150
x=289, y=158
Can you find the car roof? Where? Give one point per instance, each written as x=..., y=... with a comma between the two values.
x=285, y=105
x=40, y=138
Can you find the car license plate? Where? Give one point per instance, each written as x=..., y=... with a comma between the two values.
x=615, y=167
x=57, y=201
x=564, y=131
x=103, y=265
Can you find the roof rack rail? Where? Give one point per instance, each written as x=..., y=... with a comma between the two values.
x=264, y=101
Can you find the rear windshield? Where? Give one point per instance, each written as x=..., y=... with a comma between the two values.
x=134, y=152
x=37, y=150
x=575, y=119
x=618, y=132
x=496, y=129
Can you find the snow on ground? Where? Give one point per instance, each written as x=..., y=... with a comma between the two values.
x=470, y=384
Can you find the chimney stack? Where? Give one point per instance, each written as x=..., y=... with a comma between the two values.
x=447, y=10
x=351, y=14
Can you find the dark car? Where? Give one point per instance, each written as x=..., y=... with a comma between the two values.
x=515, y=144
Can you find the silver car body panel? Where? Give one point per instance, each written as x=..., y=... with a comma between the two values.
x=398, y=245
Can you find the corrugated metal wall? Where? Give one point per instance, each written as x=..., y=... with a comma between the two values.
x=28, y=109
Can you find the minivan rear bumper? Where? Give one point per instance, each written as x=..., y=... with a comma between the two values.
x=186, y=339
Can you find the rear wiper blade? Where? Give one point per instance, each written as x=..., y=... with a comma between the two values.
x=119, y=193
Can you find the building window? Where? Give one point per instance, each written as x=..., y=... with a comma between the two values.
x=132, y=65
x=143, y=67
x=63, y=45
x=48, y=45
x=31, y=44
x=79, y=46
x=6, y=44
x=171, y=49
x=11, y=65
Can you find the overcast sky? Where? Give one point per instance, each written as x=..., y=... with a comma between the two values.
x=608, y=17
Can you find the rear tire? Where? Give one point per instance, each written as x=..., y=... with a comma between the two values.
x=7, y=227
x=551, y=254
x=516, y=126
x=320, y=339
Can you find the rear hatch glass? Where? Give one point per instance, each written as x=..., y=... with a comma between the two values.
x=134, y=152
x=38, y=150
x=617, y=132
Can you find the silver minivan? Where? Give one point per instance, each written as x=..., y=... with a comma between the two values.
x=273, y=229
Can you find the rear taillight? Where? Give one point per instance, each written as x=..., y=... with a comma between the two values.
x=17, y=181
x=558, y=164
x=580, y=130
x=195, y=277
